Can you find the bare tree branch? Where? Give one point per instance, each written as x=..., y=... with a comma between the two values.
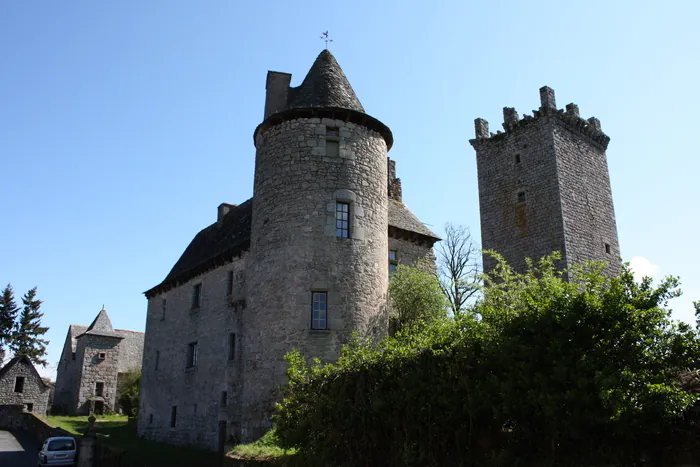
x=458, y=267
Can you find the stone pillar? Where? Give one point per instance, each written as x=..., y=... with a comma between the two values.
x=86, y=452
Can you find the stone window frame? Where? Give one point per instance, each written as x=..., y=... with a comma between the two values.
x=324, y=294
x=99, y=390
x=332, y=136
x=192, y=355
x=608, y=249
x=102, y=356
x=342, y=209
x=343, y=195
x=29, y=407
x=19, y=384
x=197, y=294
x=393, y=261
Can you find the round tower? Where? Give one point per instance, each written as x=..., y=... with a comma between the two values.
x=317, y=269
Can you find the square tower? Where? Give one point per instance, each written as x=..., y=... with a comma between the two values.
x=544, y=187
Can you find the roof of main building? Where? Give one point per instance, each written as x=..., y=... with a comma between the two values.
x=221, y=241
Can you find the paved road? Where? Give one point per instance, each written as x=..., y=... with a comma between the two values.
x=17, y=450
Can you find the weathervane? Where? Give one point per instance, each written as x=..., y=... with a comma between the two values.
x=326, y=37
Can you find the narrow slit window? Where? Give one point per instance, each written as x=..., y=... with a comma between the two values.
x=607, y=248
x=157, y=359
x=163, y=307
x=224, y=398
x=232, y=346
x=173, y=416
x=229, y=284
x=192, y=355
x=342, y=220
x=319, y=310
x=197, y=296
x=517, y=158
x=393, y=261
x=521, y=196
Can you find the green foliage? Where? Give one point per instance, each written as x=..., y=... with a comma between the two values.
x=26, y=338
x=416, y=297
x=8, y=313
x=577, y=371
x=266, y=448
x=128, y=391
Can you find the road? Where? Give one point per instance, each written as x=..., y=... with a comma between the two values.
x=17, y=450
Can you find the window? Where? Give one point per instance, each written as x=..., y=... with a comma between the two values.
x=332, y=142
x=192, y=351
x=157, y=359
x=163, y=305
x=607, y=248
x=232, y=346
x=521, y=196
x=194, y=409
x=517, y=158
x=229, y=284
x=197, y=295
x=173, y=416
x=101, y=356
x=318, y=310
x=99, y=389
x=224, y=398
x=30, y=407
x=19, y=384
x=150, y=419
x=342, y=220
x=73, y=356
x=393, y=261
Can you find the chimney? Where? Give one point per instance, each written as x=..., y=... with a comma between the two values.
x=222, y=210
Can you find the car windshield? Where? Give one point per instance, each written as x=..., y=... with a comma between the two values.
x=61, y=445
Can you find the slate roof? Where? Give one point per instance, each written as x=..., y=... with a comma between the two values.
x=16, y=360
x=102, y=326
x=325, y=86
x=220, y=241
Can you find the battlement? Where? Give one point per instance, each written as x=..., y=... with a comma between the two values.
x=570, y=117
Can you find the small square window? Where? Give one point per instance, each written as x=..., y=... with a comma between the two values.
x=173, y=416
x=192, y=351
x=101, y=356
x=19, y=384
x=197, y=295
x=29, y=407
x=342, y=220
x=521, y=196
x=319, y=301
x=607, y=248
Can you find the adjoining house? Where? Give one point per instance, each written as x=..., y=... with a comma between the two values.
x=94, y=360
x=21, y=385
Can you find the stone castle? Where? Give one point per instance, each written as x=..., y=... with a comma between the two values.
x=94, y=360
x=306, y=261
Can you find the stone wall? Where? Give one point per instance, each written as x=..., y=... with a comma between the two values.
x=196, y=392
x=67, y=377
x=411, y=253
x=294, y=250
x=130, y=350
x=34, y=392
x=544, y=187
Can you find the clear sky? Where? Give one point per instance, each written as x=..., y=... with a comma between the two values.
x=124, y=124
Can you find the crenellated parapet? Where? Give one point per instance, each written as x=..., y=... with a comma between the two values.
x=569, y=117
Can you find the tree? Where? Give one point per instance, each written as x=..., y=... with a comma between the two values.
x=28, y=330
x=128, y=391
x=415, y=297
x=458, y=267
x=8, y=314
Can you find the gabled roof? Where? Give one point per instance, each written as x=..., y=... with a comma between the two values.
x=102, y=326
x=221, y=241
x=325, y=86
x=24, y=359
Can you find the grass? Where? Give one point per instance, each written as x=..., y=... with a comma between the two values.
x=113, y=431
x=265, y=449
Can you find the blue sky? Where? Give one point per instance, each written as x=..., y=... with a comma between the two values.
x=124, y=124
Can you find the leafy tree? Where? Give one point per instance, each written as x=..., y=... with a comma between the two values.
x=415, y=297
x=128, y=392
x=8, y=313
x=26, y=339
x=458, y=267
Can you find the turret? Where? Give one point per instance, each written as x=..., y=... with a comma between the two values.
x=318, y=254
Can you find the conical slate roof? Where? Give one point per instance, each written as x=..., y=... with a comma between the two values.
x=102, y=326
x=325, y=86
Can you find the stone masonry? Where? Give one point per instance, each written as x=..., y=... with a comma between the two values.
x=21, y=385
x=240, y=296
x=93, y=361
x=544, y=187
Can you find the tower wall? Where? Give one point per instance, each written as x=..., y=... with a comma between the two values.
x=544, y=187
x=295, y=251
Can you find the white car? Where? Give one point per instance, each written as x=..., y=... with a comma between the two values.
x=60, y=450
